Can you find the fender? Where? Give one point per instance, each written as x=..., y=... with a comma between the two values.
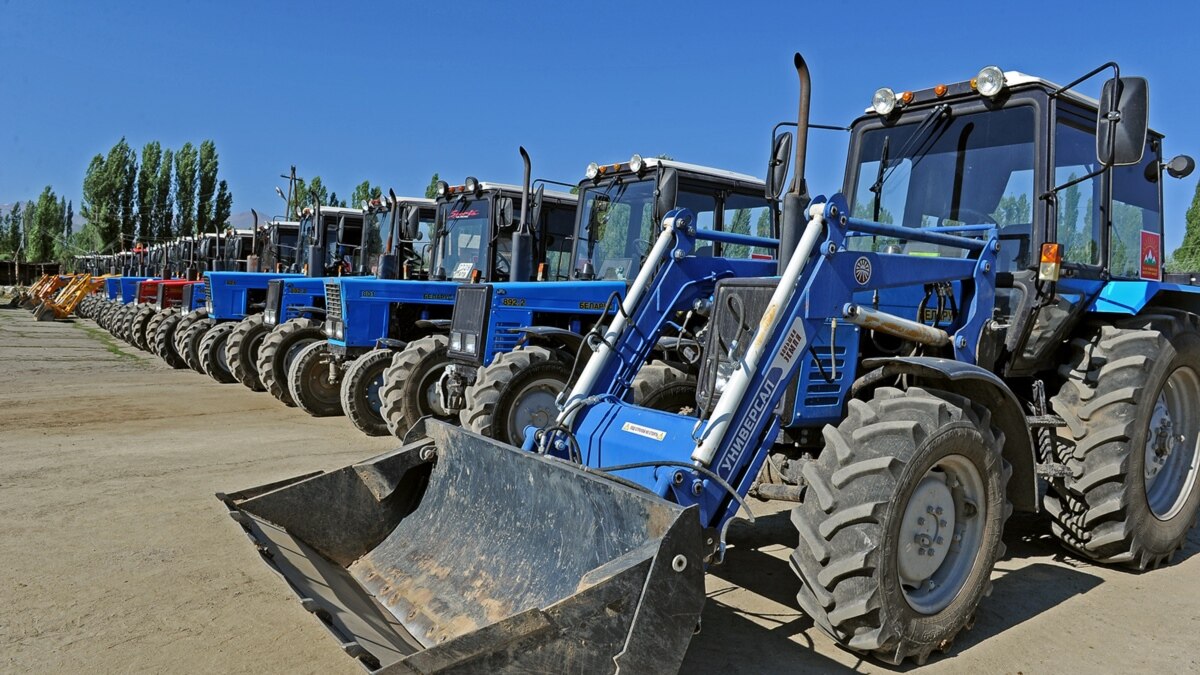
x=981, y=386
x=549, y=336
x=316, y=312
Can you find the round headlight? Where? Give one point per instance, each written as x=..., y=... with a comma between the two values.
x=593, y=170
x=442, y=188
x=884, y=101
x=471, y=184
x=989, y=81
x=636, y=163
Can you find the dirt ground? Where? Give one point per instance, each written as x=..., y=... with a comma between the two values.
x=115, y=557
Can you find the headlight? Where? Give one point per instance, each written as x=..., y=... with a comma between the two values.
x=442, y=188
x=455, y=341
x=884, y=101
x=989, y=81
x=471, y=184
x=593, y=170
x=339, y=330
x=636, y=163
x=472, y=343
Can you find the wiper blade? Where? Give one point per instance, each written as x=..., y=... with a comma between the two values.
x=877, y=188
x=939, y=114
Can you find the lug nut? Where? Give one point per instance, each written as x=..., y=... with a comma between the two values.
x=942, y=523
x=938, y=510
x=921, y=521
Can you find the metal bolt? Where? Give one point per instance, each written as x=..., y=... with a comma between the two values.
x=961, y=342
x=957, y=537
x=939, y=540
x=932, y=585
x=996, y=245
x=930, y=552
x=929, y=509
x=697, y=488
x=942, y=523
x=921, y=520
x=678, y=478
x=938, y=510
x=921, y=551
x=831, y=248
x=678, y=254
x=987, y=266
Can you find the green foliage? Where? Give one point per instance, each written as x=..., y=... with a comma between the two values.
x=223, y=207
x=431, y=189
x=1187, y=257
x=45, y=226
x=186, y=161
x=206, y=186
x=164, y=204
x=1013, y=211
x=14, y=229
x=146, y=188
x=364, y=192
x=317, y=192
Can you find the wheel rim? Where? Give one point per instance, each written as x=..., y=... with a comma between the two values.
x=534, y=405
x=941, y=534
x=290, y=355
x=431, y=399
x=1171, y=445
x=374, y=383
x=319, y=385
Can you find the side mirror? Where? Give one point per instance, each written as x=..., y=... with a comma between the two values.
x=505, y=206
x=1122, y=121
x=1180, y=166
x=412, y=223
x=536, y=212
x=781, y=158
x=668, y=190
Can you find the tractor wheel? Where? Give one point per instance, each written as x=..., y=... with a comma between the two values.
x=212, y=355
x=125, y=325
x=410, y=384
x=279, y=349
x=519, y=389
x=154, y=323
x=185, y=322
x=164, y=341
x=137, y=326
x=1131, y=442
x=901, y=523
x=664, y=387
x=362, y=386
x=309, y=385
x=190, y=342
x=241, y=350
x=114, y=323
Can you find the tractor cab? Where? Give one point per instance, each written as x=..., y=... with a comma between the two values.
x=279, y=244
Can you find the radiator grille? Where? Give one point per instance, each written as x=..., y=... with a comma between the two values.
x=333, y=300
x=470, y=309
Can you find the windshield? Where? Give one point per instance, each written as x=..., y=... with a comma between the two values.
x=616, y=224
x=974, y=169
x=285, y=241
x=462, y=236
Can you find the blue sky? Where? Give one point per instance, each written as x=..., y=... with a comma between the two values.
x=394, y=91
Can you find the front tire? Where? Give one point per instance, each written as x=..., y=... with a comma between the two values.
x=191, y=340
x=518, y=389
x=308, y=381
x=279, y=349
x=664, y=387
x=164, y=341
x=1132, y=441
x=241, y=350
x=361, y=392
x=901, y=523
x=410, y=384
x=211, y=353
x=138, y=326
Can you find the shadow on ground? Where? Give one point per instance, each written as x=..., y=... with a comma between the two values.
x=1036, y=576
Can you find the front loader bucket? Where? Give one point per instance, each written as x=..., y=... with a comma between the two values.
x=458, y=554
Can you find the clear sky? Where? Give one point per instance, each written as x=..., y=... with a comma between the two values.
x=392, y=91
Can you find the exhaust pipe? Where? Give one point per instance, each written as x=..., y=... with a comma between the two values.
x=522, y=241
x=252, y=259
x=795, y=201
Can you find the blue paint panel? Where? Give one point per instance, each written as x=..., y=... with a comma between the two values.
x=229, y=291
x=367, y=302
x=129, y=288
x=1130, y=297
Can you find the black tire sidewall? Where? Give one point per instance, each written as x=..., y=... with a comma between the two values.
x=960, y=438
x=413, y=390
x=506, y=401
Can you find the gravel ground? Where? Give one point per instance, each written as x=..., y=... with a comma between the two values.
x=115, y=557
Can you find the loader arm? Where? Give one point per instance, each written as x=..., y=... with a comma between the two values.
x=728, y=448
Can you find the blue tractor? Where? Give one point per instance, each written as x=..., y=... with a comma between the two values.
x=295, y=309
x=513, y=346
x=476, y=237
x=953, y=337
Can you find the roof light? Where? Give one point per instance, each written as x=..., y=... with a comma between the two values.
x=442, y=188
x=471, y=184
x=906, y=97
x=884, y=101
x=593, y=170
x=989, y=81
x=940, y=90
x=636, y=163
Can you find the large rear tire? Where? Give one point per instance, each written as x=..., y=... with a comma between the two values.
x=664, y=387
x=241, y=350
x=164, y=342
x=211, y=353
x=153, y=325
x=410, y=384
x=308, y=382
x=361, y=392
x=279, y=349
x=137, y=327
x=191, y=343
x=901, y=523
x=518, y=389
x=1131, y=401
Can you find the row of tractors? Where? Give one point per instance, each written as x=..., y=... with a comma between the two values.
x=587, y=385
